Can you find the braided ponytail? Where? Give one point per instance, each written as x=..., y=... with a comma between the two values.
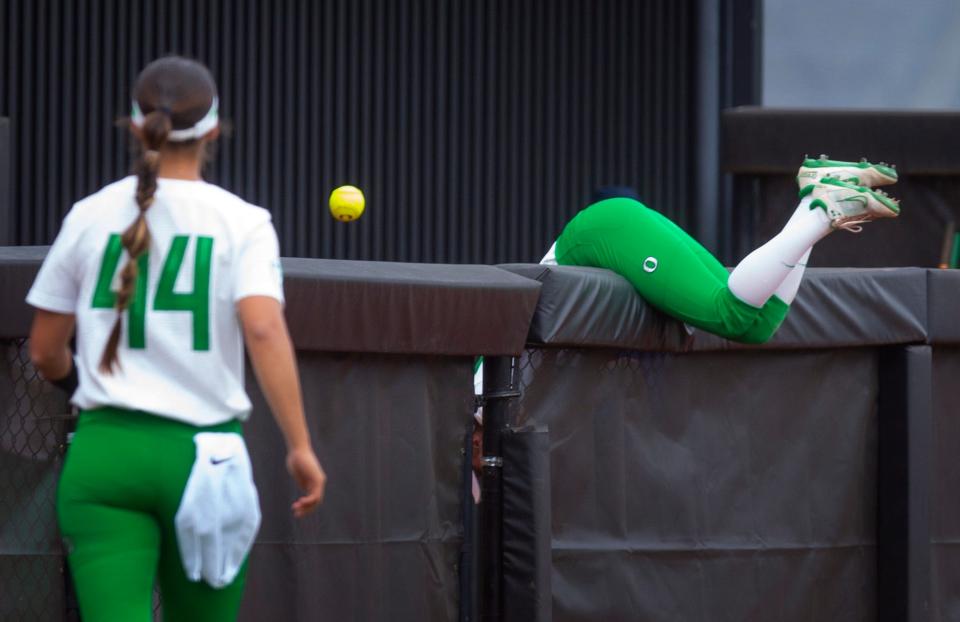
x=136, y=239
x=175, y=93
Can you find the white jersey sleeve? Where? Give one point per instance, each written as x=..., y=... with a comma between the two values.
x=57, y=286
x=257, y=270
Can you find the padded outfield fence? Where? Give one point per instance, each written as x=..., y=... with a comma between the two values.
x=647, y=472
x=666, y=475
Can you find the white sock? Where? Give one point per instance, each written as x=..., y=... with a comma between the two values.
x=762, y=272
x=788, y=289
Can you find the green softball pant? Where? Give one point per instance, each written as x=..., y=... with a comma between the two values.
x=118, y=494
x=671, y=270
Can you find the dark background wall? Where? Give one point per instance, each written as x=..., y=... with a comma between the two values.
x=4, y=177
x=758, y=147
x=475, y=128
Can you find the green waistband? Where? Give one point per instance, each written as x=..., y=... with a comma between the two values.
x=143, y=421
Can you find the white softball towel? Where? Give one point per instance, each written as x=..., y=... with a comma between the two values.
x=219, y=513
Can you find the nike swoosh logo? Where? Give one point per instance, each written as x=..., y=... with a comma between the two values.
x=859, y=199
x=214, y=461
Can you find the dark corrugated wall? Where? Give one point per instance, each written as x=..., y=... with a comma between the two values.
x=475, y=128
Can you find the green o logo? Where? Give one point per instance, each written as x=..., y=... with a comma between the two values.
x=650, y=264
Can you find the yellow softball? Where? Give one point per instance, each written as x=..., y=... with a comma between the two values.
x=347, y=203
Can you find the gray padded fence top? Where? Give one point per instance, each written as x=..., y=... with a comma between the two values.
x=463, y=310
x=943, y=306
x=589, y=307
x=367, y=306
x=360, y=306
x=18, y=268
x=592, y=307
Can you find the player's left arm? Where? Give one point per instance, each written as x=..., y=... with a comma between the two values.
x=50, y=344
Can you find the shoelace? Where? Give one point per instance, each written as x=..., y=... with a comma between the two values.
x=850, y=223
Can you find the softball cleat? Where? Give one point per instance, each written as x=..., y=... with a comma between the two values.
x=860, y=173
x=848, y=205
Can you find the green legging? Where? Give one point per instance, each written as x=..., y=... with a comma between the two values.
x=119, y=492
x=671, y=270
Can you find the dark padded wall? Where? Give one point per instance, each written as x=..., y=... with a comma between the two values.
x=717, y=483
x=655, y=503
x=944, y=502
x=476, y=129
x=384, y=546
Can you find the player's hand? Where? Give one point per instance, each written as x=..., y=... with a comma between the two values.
x=310, y=478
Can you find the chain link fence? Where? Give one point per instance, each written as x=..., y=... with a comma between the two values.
x=35, y=423
x=35, y=419
x=637, y=373
x=661, y=474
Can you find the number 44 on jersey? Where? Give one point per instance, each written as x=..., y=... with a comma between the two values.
x=196, y=302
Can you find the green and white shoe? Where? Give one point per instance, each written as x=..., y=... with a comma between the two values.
x=848, y=205
x=861, y=173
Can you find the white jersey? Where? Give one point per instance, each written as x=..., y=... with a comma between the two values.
x=550, y=259
x=181, y=348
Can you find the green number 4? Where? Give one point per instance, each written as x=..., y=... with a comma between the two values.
x=196, y=302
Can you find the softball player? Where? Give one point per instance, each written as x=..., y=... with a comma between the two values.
x=675, y=274
x=164, y=277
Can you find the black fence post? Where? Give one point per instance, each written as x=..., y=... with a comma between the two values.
x=740, y=33
x=903, y=482
x=468, y=551
x=707, y=157
x=498, y=387
x=526, y=551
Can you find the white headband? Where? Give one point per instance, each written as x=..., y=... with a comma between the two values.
x=200, y=128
